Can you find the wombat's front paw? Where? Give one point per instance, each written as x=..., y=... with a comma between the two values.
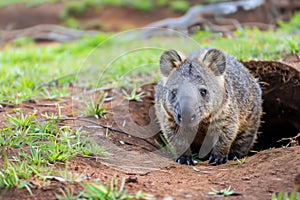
x=185, y=159
x=217, y=159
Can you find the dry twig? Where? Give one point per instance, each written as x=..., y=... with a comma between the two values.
x=292, y=140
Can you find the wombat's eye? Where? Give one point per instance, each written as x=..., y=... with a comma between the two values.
x=173, y=93
x=203, y=92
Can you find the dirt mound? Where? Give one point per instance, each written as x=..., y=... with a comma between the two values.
x=281, y=94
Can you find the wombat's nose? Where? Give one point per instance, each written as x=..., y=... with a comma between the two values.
x=186, y=118
x=193, y=117
x=179, y=118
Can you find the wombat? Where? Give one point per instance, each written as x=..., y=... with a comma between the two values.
x=207, y=99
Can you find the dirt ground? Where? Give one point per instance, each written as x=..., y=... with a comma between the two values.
x=266, y=172
x=269, y=171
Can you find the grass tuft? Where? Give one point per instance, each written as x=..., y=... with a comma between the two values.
x=110, y=192
x=294, y=195
x=224, y=192
x=95, y=107
x=133, y=95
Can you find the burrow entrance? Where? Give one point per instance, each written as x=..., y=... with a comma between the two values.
x=280, y=82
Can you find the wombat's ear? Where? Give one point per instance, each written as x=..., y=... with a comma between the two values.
x=170, y=60
x=215, y=60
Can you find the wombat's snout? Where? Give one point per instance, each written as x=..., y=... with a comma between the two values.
x=186, y=115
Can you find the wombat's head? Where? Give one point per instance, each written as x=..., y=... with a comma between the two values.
x=193, y=87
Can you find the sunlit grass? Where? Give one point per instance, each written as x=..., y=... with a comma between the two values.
x=107, y=61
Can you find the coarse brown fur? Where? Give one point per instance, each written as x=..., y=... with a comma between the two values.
x=208, y=101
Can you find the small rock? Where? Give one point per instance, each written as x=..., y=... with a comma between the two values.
x=196, y=169
x=131, y=179
x=122, y=142
x=246, y=178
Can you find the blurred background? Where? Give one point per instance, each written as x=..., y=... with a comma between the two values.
x=118, y=15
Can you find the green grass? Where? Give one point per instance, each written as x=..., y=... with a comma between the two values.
x=240, y=161
x=95, y=107
x=252, y=44
x=224, y=192
x=133, y=95
x=27, y=71
x=179, y=6
x=292, y=26
x=294, y=195
x=71, y=22
x=16, y=174
x=167, y=148
x=111, y=192
x=96, y=190
x=142, y=5
x=40, y=142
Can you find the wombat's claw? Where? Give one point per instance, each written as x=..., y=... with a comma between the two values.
x=217, y=159
x=234, y=157
x=185, y=160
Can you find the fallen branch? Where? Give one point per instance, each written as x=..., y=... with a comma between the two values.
x=46, y=32
x=197, y=15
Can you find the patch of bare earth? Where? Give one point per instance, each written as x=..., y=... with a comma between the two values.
x=266, y=172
